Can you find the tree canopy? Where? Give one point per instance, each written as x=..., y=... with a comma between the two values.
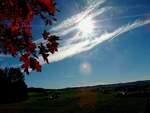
x=15, y=31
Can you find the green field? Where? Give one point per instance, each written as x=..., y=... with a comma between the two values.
x=77, y=101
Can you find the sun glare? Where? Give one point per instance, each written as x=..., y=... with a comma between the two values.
x=86, y=26
x=85, y=68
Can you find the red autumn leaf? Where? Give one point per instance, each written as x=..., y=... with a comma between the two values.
x=52, y=47
x=13, y=50
x=30, y=12
x=49, y=5
x=53, y=44
x=26, y=67
x=26, y=60
x=15, y=27
x=24, y=57
x=45, y=34
x=27, y=29
x=31, y=46
x=45, y=57
x=37, y=65
x=43, y=52
x=53, y=38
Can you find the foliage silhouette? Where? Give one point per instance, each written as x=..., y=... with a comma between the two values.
x=12, y=85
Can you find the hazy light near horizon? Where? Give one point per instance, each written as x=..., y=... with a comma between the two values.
x=85, y=68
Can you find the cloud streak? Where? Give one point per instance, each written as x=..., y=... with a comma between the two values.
x=87, y=44
x=78, y=43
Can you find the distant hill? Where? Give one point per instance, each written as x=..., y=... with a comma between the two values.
x=128, y=85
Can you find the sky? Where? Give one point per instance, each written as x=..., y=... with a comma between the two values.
x=102, y=42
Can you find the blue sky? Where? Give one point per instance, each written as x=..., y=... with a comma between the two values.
x=117, y=49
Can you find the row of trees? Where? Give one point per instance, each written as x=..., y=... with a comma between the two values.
x=12, y=85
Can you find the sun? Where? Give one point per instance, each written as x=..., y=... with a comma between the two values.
x=86, y=26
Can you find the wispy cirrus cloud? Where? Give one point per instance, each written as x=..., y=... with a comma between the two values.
x=79, y=43
x=87, y=44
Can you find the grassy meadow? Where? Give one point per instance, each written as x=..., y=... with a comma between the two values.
x=77, y=101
